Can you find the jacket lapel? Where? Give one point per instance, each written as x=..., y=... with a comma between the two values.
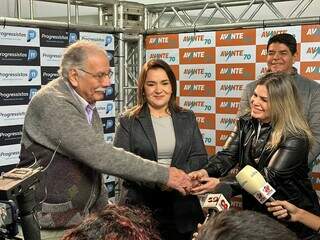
x=179, y=129
x=146, y=123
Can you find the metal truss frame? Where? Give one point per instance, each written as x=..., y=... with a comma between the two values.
x=175, y=17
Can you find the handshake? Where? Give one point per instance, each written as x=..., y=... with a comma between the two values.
x=197, y=182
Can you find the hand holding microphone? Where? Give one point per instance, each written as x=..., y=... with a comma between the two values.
x=254, y=183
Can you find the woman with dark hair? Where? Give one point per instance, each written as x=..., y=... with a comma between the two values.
x=274, y=138
x=159, y=130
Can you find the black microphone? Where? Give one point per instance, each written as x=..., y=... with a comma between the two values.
x=218, y=201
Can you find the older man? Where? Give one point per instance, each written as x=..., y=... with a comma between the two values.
x=63, y=116
x=281, y=55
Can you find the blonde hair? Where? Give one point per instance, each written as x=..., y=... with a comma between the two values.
x=286, y=114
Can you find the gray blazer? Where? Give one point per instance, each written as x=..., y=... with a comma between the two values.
x=309, y=93
x=73, y=179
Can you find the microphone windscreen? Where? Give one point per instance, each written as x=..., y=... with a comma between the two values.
x=250, y=179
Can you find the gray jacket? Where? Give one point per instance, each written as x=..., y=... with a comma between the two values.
x=309, y=93
x=73, y=180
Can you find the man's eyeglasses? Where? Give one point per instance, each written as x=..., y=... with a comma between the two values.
x=99, y=75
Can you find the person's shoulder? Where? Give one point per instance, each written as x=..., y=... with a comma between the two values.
x=300, y=141
x=125, y=118
x=307, y=82
x=185, y=113
x=44, y=93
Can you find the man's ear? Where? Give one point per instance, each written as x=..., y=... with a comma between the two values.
x=73, y=78
x=295, y=57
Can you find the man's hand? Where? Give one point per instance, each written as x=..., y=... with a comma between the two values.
x=197, y=175
x=179, y=180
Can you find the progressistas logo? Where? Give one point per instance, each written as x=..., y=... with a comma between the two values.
x=32, y=54
x=108, y=40
x=31, y=35
x=18, y=35
x=10, y=135
x=33, y=73
x=73, y=37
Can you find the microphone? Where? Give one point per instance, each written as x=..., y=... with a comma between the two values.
x=218, y=201
x=255, y=184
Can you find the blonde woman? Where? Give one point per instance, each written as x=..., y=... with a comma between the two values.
x=274, y=138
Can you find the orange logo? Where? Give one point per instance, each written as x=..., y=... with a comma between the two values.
x=236, y=37
x=197, y=88
x=162, y=41
x=221, y=137
x=227, y=105
x=205, y=120
x=261, y=53
x=310, y=70
x=310, y=33
x=243, y=71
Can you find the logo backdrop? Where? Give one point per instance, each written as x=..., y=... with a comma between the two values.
x=212, y=69
x=29, y=59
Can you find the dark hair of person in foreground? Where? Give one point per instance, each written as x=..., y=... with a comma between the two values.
x=116, y=222
x=243, y=225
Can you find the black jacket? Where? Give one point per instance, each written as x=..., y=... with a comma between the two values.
x=285, y=168
x=136, y=135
